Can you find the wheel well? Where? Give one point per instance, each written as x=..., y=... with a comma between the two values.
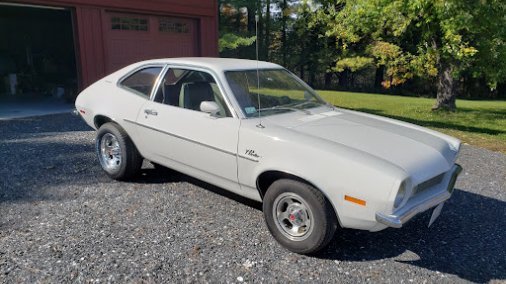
x=269, y=177
x=265, y=180
x=101, y=120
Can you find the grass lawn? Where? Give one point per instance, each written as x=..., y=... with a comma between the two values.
x=479, y=123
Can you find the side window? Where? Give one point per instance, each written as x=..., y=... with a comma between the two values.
x=142, y=81
x=170, y=87
x=188, y=89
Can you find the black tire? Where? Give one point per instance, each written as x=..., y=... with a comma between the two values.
x=318, y=210
x=130, y=161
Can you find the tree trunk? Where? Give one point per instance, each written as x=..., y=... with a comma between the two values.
x=260, y=30
x=312, y=75
x=446, y=90
x=283, y=31
x=267, y=37
x=328, y=80
x=251, y=19
x=238, y=20
x=344, y=79
x=380, y=73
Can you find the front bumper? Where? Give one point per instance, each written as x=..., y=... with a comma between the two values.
x=418, y=205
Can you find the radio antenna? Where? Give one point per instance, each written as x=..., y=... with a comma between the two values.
x=258, y=75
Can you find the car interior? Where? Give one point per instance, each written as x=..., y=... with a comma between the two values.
x=188, y=89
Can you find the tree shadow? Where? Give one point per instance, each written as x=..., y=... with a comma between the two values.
x=468, y=240
x=489, y=112
x=437, y=124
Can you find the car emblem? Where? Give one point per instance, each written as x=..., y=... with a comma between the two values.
x=252, y=153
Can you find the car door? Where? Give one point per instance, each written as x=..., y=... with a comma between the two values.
x=182, y=137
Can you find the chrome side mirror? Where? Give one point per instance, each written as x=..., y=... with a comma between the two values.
x=210, y=107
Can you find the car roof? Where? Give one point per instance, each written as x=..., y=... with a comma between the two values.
x=217, y=64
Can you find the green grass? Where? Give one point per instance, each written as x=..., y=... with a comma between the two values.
x=479, y=123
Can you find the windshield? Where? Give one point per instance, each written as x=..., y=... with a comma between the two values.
x=279, y=91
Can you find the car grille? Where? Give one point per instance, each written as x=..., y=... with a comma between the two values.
x=428, y=184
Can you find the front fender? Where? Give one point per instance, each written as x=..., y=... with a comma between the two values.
x=336, y=170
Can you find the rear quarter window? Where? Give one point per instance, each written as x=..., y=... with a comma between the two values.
x=142, y=81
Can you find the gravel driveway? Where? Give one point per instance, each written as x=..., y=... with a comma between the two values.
x=63, y=220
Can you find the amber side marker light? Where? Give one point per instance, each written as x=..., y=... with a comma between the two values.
x=354, y=200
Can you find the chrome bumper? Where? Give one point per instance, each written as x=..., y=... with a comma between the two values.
x=404, y=214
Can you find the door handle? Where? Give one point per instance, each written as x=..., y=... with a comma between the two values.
x=150, y=112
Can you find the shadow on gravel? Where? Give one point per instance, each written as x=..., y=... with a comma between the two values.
x=39, y=125
x=31, y=166
x=467, y=240
x=164, y=175
x=29, y=162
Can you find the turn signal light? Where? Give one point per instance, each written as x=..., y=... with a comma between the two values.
x=354, y=200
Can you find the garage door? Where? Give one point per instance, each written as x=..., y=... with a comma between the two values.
x=133, y=37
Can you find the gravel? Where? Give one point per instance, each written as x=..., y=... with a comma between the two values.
x=63, y=220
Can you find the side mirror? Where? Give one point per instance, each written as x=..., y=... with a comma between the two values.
x=210, y=107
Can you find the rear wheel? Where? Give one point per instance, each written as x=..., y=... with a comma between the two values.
x=298, y=216
x=116, y=152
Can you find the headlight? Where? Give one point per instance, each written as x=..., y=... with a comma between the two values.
x=400, y=195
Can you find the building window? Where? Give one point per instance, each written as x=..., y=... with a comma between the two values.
x=173, y=26
x=129, y=24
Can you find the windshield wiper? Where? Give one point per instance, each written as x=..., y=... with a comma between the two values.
x=284, y=108
x=299, y=105
x=276, y=108
x=317, y=103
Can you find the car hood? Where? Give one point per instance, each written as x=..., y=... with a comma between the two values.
x=420, y=152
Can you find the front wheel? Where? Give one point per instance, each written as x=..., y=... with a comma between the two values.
x=298, y=216
x=116, y=152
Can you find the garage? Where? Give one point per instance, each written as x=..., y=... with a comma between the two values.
x=134, y=37
x=37, y=51
x=55, y=48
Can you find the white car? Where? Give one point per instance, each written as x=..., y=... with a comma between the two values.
x=257, y=130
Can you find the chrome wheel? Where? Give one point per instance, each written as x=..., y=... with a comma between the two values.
x=110, y=153
x=293, y=216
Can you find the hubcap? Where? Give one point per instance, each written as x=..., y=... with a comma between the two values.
x=293, y=216
x=110, y=152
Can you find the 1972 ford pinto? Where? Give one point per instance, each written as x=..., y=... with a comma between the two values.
x=257, y=130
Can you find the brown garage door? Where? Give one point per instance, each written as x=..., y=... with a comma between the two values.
x=133, y=37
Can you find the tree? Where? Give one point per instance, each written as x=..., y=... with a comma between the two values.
x=267, y=39
x=233, y=41
x=237, y=26
x=425, y=38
